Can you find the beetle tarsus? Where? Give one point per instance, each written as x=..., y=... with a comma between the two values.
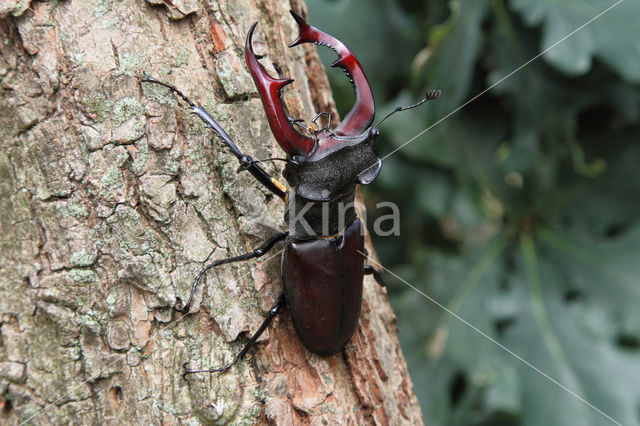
x=186, y=371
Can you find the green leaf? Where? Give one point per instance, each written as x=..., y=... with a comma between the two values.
x=519, y=211
x=559, y=307
x=612, y=38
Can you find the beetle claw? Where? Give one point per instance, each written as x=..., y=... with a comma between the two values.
x=185, y=370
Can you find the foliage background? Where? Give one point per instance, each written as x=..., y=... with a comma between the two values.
x=519, y=212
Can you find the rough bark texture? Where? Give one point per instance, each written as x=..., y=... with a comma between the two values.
x=112, y=198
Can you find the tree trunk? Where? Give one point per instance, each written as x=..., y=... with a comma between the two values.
x=114, y=197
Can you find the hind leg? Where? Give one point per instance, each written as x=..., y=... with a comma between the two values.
x=270, y=316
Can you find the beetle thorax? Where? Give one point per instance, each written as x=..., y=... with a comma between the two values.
x=330, y=172
x=323, y=184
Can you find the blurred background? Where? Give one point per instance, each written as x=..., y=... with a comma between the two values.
x=519, y=212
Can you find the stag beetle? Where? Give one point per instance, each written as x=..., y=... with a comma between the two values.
x=322, y=262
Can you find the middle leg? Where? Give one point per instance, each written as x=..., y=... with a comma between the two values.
x=260, y=251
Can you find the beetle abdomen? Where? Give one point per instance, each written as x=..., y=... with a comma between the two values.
x=323, y=286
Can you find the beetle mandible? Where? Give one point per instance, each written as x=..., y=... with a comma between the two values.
x=322, y=262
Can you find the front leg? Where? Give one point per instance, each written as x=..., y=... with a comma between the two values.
x=246, y=162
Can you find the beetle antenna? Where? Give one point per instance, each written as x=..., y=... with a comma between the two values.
x=432, y=94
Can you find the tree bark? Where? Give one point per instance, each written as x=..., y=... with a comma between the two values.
x=114, y=197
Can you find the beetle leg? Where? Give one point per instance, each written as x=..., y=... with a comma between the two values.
x=361, y=115
x=370, y=270
x=246, y=162
x=260, y=251
x=270, y=316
